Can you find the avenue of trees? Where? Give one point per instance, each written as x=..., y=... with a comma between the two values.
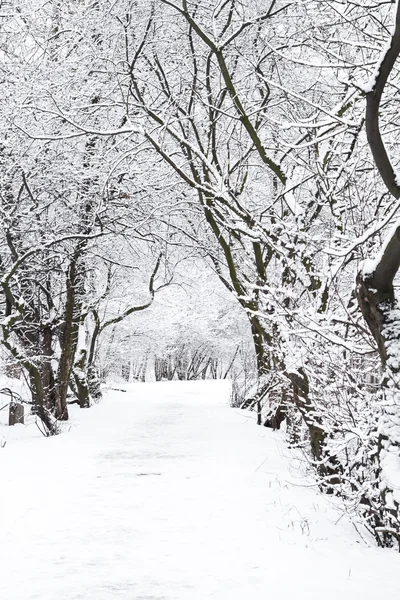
x=256, y=138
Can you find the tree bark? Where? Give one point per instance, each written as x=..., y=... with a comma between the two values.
x=16, y=413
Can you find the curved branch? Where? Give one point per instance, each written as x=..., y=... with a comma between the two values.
x=133, y=309
x=374, y=97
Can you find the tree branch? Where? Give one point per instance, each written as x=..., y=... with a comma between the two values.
x=133, y=309
x=374, y=97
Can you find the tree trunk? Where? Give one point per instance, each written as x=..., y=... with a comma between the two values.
x=276, y=419
x=70, y=332
x=382, y=314
x=265, y=366
x=16, y=413
x=327, y=467
x=376, y=298
x=47, y=372
x=38, y=398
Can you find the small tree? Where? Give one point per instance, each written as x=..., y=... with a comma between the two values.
x=380, y=308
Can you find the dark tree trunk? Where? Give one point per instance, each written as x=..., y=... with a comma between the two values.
x=262, y=342
x=70, y=331
x=39, y=405
x=48, y=379
x=276, y=419
x=86, y=381
x=81, y=385
x=16, y=413
x=327, y=467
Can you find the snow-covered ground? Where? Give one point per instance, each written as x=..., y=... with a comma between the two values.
x=164, y=492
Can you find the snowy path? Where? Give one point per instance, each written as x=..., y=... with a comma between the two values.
x=166, y=493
